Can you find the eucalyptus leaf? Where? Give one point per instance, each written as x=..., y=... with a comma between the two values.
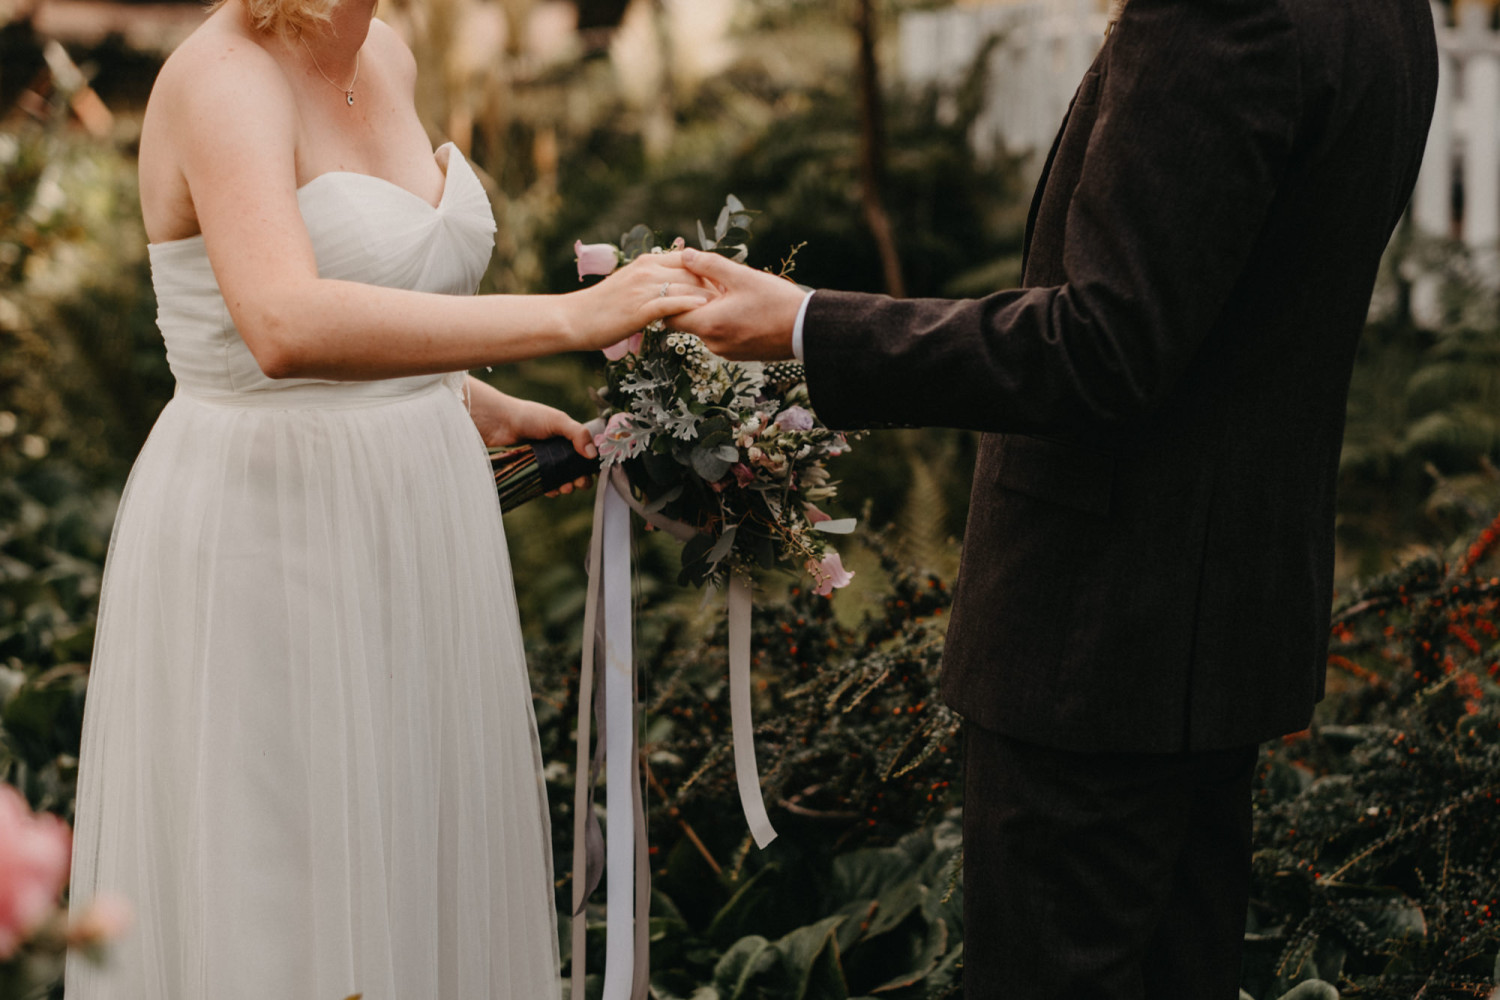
x=656, y=505
x=723, y=546
x=708, y=465
x=662, y=468
x=638, y=241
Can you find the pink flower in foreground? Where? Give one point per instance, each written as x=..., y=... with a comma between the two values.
x=595, y=258
x=829, y=574
x=743, y=474
x=34, y=853
x=630, y=345
x=106, y=919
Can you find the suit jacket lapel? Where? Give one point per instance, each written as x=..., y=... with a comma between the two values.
x=1041, y=185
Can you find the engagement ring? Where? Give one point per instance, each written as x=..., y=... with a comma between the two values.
x=664, y=286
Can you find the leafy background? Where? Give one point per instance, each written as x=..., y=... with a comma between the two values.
x=1376, y=871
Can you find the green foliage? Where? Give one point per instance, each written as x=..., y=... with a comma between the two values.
x=1377, y=864
x=1423, y=436
x=52, y=536
x=859, y=760
x=72, y=411
x=82, y=370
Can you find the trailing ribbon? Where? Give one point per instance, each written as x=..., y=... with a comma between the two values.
x=746, y=774
x=607, y=638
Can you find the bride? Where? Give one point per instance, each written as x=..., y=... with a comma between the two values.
x=309, y=757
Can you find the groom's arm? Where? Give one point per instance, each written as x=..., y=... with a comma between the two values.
x=1196, y=120
x=1195, y=125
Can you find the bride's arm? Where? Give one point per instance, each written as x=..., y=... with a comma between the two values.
x=231, y=119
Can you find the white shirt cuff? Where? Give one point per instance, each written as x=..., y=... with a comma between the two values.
x=797, y=328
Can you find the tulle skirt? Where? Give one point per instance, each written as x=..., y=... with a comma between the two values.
x=309, y=759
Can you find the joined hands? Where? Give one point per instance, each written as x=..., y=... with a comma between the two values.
x=751, y=316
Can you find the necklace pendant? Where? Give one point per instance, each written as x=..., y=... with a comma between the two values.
x=349, y=96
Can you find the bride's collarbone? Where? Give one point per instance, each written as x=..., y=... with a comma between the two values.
x=390, y=149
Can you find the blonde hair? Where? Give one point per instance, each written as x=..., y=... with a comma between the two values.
x=284, y=17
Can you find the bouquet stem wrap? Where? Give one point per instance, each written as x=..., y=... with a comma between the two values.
x=608, y=637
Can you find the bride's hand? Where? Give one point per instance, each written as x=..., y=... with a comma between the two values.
x=653, y=286
x=505, y=420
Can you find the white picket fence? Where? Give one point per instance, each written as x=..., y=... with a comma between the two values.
x=1458, y=193
x=1047, y=45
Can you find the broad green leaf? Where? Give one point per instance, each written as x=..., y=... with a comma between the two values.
x=745, y=958
x=810, y=961
x=924, y=959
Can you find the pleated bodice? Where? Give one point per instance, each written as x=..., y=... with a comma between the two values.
x=363, y=228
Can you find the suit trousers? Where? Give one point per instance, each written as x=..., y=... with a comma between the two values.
x=1107, y=876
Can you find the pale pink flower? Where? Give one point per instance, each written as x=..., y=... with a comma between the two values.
x=630, y=345
x=617, y=429
x=829, y=574
x=814, y=515
x=595, y=258
x=108, y=918
x=679, y=243
x=620, y=440
x=34, y=853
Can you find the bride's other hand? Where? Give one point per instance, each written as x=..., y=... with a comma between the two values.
x=652, y=287
x=505, y=420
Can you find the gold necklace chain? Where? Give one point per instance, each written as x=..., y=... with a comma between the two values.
x=347, y=91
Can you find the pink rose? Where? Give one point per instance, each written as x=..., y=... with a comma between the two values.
x=595, y=258
x=829, y=574
x=34, y=854
x=617, y=429
x=795, y=418
x=743, y=474
x=630, y=345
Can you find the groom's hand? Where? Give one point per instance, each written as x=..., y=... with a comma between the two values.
x=752, y=317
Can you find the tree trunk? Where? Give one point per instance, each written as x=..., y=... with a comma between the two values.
x=872, y=149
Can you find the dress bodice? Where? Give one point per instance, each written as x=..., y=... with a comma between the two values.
x=363, y=228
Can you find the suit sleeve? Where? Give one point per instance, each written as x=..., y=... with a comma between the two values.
x=1194, y=128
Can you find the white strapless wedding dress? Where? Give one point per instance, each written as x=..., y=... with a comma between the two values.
x=309, y=759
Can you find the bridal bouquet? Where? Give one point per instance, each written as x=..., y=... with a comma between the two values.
x=731, y=449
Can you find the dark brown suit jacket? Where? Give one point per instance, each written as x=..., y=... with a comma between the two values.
x=1148, y=559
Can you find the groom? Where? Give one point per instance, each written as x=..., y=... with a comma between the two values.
x=1146, y=580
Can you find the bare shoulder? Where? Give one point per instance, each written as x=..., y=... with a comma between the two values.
x=220, y=105
x=394, y=54
x=221, y=68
